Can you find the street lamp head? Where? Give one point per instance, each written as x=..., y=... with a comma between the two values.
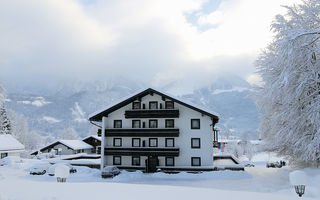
x=300, y=189
x=299, y=180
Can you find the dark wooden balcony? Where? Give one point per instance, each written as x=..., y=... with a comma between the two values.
x=159, y=113
x=141, y=132
x=142, y=151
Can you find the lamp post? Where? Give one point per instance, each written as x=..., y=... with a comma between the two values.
x=299, y=180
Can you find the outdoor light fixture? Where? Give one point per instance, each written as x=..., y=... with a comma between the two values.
x=299, y=180
x=300, y=189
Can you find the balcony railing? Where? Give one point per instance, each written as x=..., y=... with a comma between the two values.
x=141, y=132
x=142, y=151
x=158, y=113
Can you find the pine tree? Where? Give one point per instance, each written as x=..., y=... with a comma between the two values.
x=5, y=126
x=290, y=96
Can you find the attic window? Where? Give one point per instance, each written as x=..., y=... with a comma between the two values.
x=153, y=105
x=136, y=105
x=169, y=105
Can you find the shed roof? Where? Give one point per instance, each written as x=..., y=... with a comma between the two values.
x=93, y=136
x=72, y=144
x=9, y=143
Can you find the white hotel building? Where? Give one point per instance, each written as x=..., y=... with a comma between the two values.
x=151, y=130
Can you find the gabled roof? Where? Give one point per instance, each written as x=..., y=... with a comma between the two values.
x=72, y=144
x=9, y=143
x=97, y=116
x=92, y=136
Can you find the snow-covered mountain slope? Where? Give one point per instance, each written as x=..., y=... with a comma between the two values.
x=70, y=104
x=231, y=99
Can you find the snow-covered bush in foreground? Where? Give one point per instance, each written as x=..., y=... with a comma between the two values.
x=289, y=98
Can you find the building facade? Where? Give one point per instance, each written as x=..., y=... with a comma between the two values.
x=151, y=130
x=9, y=146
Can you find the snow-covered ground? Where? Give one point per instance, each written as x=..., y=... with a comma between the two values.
x=255, y=183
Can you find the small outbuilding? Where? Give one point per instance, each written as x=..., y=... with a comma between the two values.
x=66, y=147
x=10, y=146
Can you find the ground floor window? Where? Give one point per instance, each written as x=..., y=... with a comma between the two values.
x=169, y=161
x=117, y=160
x=136, y=160
x=195, y=161
x=3, y=155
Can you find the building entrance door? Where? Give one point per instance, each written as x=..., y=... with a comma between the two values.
x=151, y=164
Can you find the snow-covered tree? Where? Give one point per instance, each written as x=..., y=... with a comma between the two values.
x=30, y=139
x=290, y=95
x=5, y=126
x=69, y=134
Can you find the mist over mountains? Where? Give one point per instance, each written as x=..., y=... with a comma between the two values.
x=51, y=111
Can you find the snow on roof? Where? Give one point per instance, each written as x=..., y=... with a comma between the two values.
x=76, y=144
x=205, y=109
x=94, y=136
x=9, y=143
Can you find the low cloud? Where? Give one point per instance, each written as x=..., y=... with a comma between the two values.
x=151, y=41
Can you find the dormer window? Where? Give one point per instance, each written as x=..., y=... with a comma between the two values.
x=169, y=105
x=136, y=105
x=153, y=105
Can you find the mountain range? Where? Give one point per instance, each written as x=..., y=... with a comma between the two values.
x=69, y=105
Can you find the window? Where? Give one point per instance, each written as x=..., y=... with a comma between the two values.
x=116, y=160
x=169, y=105
x=135, y=160
x=117, y=124
x=153, y=123
x=169, y=123
x=3, y=155
x=195, y=161
x=117, y=142
x=136, y=105
x=169, y=142
x=153, y=142
x=136, y=124
x=195, y=143
x=195, y=123
x=169, y=161
x=153, y=105
x=135, y=142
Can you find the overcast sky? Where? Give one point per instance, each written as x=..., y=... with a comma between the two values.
x=159, y=42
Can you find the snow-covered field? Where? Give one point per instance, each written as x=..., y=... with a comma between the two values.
x=254, y=183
